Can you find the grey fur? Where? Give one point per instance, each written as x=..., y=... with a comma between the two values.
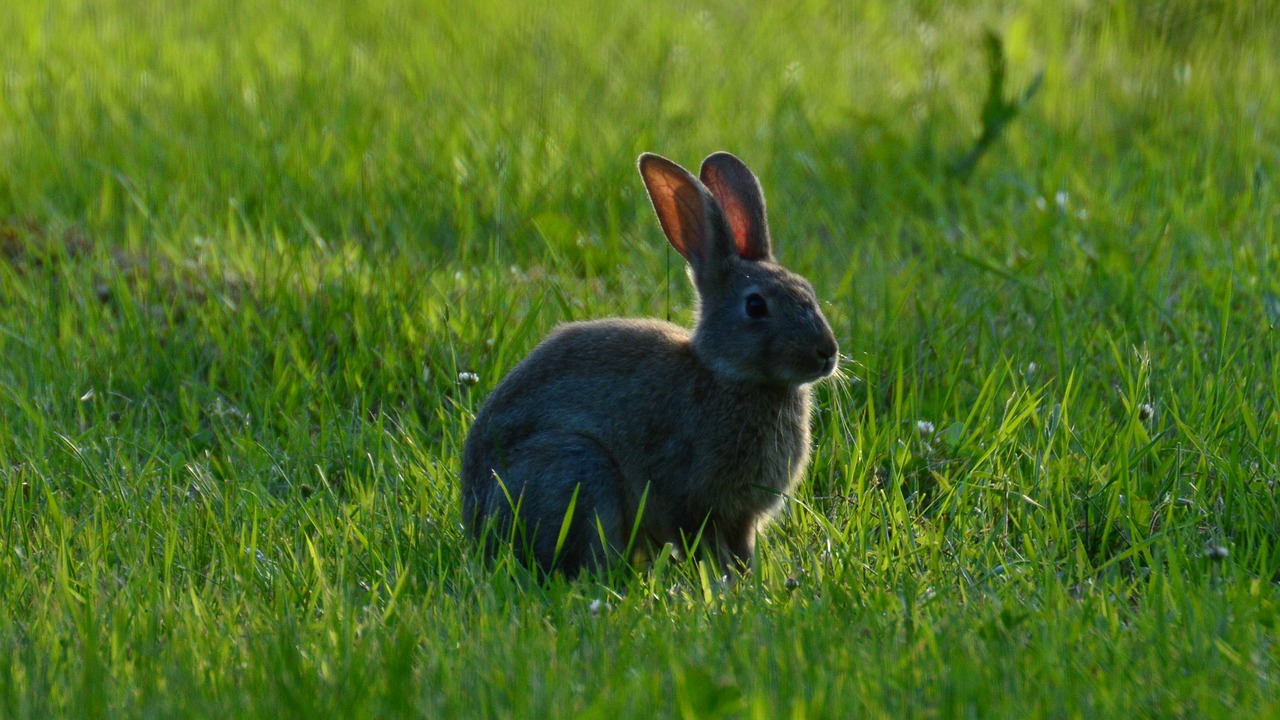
x=707, y=429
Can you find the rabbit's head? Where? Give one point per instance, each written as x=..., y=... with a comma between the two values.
x=757, y=321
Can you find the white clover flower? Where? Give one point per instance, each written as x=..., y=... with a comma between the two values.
x=1216, y=552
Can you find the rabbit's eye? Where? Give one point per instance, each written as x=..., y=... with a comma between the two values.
x=757, y=307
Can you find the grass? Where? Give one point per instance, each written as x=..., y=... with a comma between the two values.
x=248, y=248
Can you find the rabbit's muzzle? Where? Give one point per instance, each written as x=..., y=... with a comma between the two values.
x=828, y=359
x=816, y=361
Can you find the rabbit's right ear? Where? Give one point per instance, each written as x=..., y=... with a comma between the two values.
x=737, y=190
x=683, y=206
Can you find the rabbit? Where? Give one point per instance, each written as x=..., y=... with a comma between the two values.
x=643, y=433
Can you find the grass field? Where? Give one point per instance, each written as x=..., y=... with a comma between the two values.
x=246, y=249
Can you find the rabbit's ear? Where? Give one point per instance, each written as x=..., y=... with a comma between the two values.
x=683, y=208
x=738, y=192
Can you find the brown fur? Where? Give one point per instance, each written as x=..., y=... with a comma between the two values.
x=707, y=429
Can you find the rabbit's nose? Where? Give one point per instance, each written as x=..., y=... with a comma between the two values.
x=826, y=348
x=827, y=353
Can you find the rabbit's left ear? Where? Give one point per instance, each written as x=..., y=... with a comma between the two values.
x=685, y=209
x=735, y=187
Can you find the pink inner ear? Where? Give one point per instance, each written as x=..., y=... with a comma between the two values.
x=669, y=215
x=689, y=204
x=740, y=220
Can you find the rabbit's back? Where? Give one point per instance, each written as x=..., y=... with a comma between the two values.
x=582, y=375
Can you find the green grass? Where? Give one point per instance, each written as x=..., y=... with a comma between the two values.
x=247, y=248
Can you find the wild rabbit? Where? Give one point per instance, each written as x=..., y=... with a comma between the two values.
x=643, y=433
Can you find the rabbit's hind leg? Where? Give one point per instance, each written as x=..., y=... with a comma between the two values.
x=572, y=503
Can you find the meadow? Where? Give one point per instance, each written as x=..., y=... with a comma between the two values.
x=260, y=262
